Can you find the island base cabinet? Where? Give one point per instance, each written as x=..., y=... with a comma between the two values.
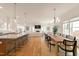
x=2, y=47
x=7, y=45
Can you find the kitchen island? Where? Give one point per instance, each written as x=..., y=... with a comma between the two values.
x=11, y=41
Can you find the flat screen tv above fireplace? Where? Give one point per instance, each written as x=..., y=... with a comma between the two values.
x=37, y=26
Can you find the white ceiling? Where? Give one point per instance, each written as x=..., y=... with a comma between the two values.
x=33, y=13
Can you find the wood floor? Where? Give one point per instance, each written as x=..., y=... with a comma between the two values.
x=36, y=46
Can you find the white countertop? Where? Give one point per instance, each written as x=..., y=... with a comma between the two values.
x=11, y=35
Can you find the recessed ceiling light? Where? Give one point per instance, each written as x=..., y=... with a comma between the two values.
x=1, y=7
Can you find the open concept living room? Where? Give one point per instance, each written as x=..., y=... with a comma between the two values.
x=39, y=29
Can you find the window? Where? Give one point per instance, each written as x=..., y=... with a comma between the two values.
x=66, y=28
x=3, y=27
x=71, y=27
x=20, y=28
x=75, y=26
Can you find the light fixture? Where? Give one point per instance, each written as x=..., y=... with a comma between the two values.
x=55, y=19
x=15, y=12
x=25, y=18
x=1, y=7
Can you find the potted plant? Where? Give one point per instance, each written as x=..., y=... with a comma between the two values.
x=55, y=29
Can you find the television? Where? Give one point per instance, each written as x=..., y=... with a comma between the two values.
x=37, y=26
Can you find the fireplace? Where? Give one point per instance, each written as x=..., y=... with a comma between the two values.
x=37, y=31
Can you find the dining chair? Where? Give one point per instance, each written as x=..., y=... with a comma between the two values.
x=46, y=36
x=63, y=35
x=68, y=46
x=70, y=37
x=50, y=42
x=59, y=34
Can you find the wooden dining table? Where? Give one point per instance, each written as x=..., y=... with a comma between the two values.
x=58, y=39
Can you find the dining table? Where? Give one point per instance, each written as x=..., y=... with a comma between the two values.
x=58, y=40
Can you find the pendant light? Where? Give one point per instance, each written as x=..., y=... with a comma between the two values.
x=56, y=19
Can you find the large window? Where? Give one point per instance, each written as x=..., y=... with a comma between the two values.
x=71, y=27
x=75, y=26
x=66, y=28
x=20, y=28
x=3, y=27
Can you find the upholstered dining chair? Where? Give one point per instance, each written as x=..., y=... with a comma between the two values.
x=59, y=34
x=68, y=46
x=70, y=37
x=46, y=36
x=63, y=35
x=49, y=41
